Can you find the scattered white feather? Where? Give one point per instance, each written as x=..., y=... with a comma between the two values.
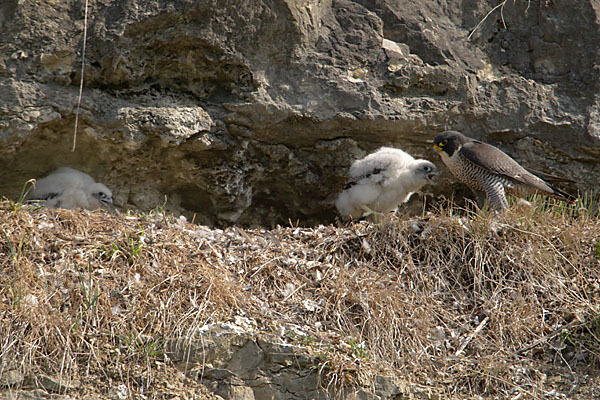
x=382, y=181
x=69, y=188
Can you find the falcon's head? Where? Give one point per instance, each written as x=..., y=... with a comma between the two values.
x=101, y=193
x=449, y=142
x=426, y=170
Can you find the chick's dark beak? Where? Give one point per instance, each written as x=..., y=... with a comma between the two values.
x=432, y=176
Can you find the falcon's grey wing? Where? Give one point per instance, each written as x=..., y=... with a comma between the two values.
x=550, y=177
x=496, y=161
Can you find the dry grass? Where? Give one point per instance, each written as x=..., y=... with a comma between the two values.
x=459, y=303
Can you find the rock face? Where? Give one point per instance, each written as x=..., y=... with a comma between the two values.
x=250, y=112
x=239, y=365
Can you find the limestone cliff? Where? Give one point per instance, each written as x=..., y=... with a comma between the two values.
x=250, y=112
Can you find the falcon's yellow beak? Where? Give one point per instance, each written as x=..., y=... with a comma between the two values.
x=437, y=148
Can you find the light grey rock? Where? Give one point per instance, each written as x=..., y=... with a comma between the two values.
x=250, y=112
x=54, y=385
x=174, y=125
x=236, y=363
x=11, y=378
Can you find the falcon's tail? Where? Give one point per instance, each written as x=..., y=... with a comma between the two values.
x=549, y=177
x=545, y=179
x=561, y=194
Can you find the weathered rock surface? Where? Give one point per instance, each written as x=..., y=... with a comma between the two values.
x=237, y=364
x=250, y=112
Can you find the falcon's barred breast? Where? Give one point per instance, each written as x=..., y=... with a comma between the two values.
x=488, y=171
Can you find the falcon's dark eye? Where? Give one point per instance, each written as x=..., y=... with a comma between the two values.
x=443, y=143
x=103, y=197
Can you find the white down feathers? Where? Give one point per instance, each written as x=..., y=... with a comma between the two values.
x=382, y=181
x=69, y=188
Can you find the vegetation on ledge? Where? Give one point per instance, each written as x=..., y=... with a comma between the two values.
x=462, y=304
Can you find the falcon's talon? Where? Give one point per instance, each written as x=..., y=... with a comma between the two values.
x=368, y=211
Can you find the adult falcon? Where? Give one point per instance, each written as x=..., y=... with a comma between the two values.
x=382, y=181
x=488, y=171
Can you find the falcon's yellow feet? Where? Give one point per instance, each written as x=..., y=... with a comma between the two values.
x=368, y=211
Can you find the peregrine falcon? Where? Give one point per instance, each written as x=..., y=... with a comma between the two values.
x=488, y=171
x=382, y=181
x=69, y=188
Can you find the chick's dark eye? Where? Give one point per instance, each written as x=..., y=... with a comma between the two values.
x=426, y=168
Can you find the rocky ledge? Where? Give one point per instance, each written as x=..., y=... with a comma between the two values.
x=249, y=112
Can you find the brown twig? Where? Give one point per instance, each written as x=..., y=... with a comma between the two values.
x=471, y=336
